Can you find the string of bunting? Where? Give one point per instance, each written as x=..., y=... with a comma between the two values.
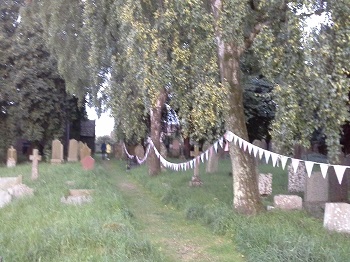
x=256, y=151
x=139, y=161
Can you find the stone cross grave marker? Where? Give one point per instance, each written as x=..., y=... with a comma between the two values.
x=11, y=157
x=196, y=181
x=35, y=161
x=57, y=152
x=73, y=151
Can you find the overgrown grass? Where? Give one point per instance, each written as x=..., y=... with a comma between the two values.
x=41, y=228
x=270, y=236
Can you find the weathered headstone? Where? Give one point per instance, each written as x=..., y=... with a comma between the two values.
x=88, y=163
x=35, y=163
x=265, y=184
x=139, y=151
x=296, y=180
x=78, y=196
x=338, y=192
x=80, y=148
x=337, y=217
x=5, y=198
x=20, y=191
x=73, y=150
x=11, y=157
x=57, y=152
x=7, y=182
x=84, y=151
x=288, y=202
x=196, y=181
x=175, y=148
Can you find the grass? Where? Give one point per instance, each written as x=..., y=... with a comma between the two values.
x=150, y=223
x=271, y=236
x=41, y=228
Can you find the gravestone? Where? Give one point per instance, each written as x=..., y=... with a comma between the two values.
x=337, y=217
x=7, y=182
x=78, y=196
x=139, y=151
x=265, y=184
x=57, y=152
x=196, y=181
x=296, y=180
x=73, y=150
x=11, y=157
x=80, y=148
x=175, y=148
x=88, y=163
x=84, y=151
x=212, y=164
x=288, y=202
x=35, y=163
x=338, y=192
x=5, y=198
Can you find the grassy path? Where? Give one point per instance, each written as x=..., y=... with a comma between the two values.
x=177, y=238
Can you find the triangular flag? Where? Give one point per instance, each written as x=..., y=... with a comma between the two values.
x=191, y=163
x=226, y=149
x=156, y=152
x=255, y=150
x=250, y=147
x=267, y=156
x=274, y=158
x=221, y=142
x=295, y=164
x=207, y=154
x=324, y=169
x=245, y=145
x=261, y=152
x=240, y=142
x=229, y=136
x=309, y=165
x=216, y=146
x=284, y=160
x=339, y=171
x=235, y=138
x=202, y=157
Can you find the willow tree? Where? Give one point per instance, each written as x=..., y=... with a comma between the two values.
x=275, y=28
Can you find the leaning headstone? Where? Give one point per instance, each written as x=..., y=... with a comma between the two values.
x=35, y=163
x=88, y=163
x=288, y=202
x=57, y=152
x=139, y=151
x=265, y=184
x=11, y=157
x=336, y=217
x=73, y=149
x=84, y=151
x=175, y=148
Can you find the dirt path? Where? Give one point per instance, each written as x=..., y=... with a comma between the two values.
x=177, y=238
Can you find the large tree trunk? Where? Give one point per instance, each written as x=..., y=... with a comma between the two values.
x=156, y=128
x=246, y=197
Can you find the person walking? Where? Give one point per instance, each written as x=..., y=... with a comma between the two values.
x=103, y=150
x=108, y=150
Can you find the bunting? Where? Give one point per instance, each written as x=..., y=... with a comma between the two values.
x=247, y=147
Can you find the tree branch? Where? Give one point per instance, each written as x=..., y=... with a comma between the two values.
x=250, y=37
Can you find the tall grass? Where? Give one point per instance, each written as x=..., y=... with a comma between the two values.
x=270, y=236
x=41, y=228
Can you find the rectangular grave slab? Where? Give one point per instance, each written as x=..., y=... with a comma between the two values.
x=337, y=217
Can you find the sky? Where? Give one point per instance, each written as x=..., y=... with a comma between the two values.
x=103, y=125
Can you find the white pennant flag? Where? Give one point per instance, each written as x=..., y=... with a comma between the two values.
x=309, y=165
x=255, y=150
x=221, y=142
x=274, y=158
x=229, y=136
x=235, y=138
x=284, y=160
x=267, y=156
x=156, y=152
x=250, y=147
x=245, y=145
x=207, y=154
x=295, y=164
x=339, y=171
x=261, y=152
x=191, y=164
x=240, y=142
x=216, y=146
x=202, y=157
x=324, y=169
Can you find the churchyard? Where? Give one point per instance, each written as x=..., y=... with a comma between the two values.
x=79, y=214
